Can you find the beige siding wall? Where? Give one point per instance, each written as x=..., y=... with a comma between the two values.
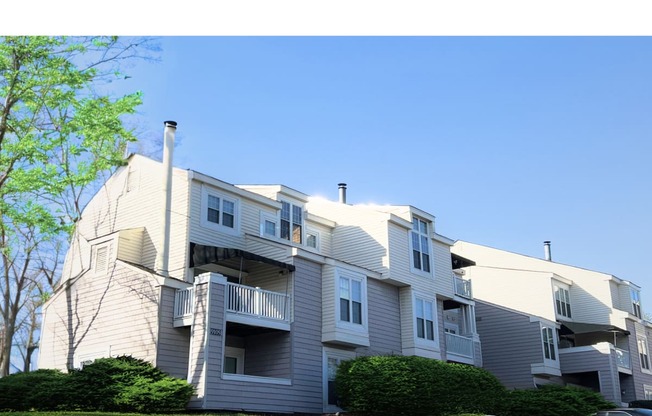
x=443, y=269
x=130, y=245
x=115, y=313
x=116, y=207
x=529, y=292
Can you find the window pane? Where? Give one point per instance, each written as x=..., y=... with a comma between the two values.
x=228, y=206
x=419, y=308
x=213, y=215
x=285, y=210
x=296, y=233
x=297, y=215
x=430, y=332
x=213, y=202
x=423, y=227
x=420, y=328
x=344, y=288
x=270, y=228
x=428, y=310
x=344, y=310
x=285, y=229
x=426, y=263
x=415, y=224
x=356, y=291
x=311, y=240
x=230, y=365
x=357, y=312
x=227, y=220
x=416, y=258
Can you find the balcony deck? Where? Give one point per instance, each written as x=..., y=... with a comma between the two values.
x=244, y=304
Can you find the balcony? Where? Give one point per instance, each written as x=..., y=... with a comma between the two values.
x=584, y=358
x=461, y=348
x=463, y=287
x=244, y=304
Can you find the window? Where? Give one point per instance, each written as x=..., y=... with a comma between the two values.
x=647, y=391
x=350, y=300
x=643, y=353
x=636, y=303
x=548, y=338
x=332, y=360
x=291, y=222
x=312, y=238
x=562, y=300
x=268, y=225
x=233, y=360
x=101, y=258
x=224, y=206
x=420, y=245
x=219, y=212
x=425, y=319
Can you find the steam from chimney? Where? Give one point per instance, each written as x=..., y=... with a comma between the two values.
x=162, y=260
x=342, y=187
x=546, y=250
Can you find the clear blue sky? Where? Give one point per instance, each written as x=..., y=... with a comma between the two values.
x=508, y=141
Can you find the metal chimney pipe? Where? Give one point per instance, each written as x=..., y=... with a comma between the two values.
x=342, y=187
x=162, y=260
x=546, y=250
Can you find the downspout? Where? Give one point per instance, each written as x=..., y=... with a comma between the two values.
x=162, y=261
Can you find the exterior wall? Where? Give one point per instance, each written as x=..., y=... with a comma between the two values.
x=596, y=358
x=101, y=315
x=591, y=297
x=529, y=292
x=266, y=361
x=384, y=319
x=511, y=343
x=444, y=282
x=117, y=206
x=173, y=343
x=641, y=377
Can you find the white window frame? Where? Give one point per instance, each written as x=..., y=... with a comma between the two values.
x=266, y=217
x=562, y=299
x=351, y=277
x=238, y=354
x=418, y=234
x=647, y=391
x=339, y=356
x=643, y=354
x=435, y=323
x=101, y=266
x=206, y=192
x=635, y=296
x=316, y=234
x=291, y=222
x=549, y=340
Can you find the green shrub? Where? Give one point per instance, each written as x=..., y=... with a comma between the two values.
x=127, y=384
x=552, y=400
x=400, y=385
x=36, y=390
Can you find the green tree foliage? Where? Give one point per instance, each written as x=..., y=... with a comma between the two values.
x=552, y=400
x=401, y=385
x=57, y=134
x=123, y=384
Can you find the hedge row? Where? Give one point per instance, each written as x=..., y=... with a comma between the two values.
x=401, y=385
x=121, y=384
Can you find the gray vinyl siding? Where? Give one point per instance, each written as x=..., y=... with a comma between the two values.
x=443, y=269
x=594, y=361
x=510, y=344
x=637, y=329
x=304, y=395
x=263, y=360
x=111, y=314
x=384, y=319
x=173, y=343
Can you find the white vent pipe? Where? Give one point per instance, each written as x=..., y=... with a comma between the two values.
x=162, y=260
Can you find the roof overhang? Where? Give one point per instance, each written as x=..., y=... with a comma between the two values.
x=201, y=255
x=568, y=328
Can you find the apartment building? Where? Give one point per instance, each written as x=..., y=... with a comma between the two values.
x=544, y=322
x=253, y=293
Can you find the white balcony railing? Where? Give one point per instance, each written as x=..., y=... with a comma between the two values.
x=183, y=302
x=623, y=359
x=457, y=344
x=463, y=287
x=257, y=302
x=240, y=299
